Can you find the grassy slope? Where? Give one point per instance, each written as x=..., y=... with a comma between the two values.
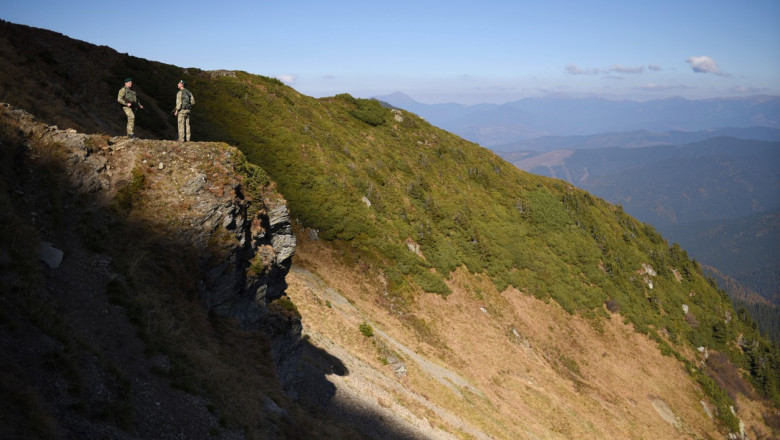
x=463, y=205
x=531, y=369
x=467, y=208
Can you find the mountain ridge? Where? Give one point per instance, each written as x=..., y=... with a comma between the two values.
x=634, y=139
x=493, y=125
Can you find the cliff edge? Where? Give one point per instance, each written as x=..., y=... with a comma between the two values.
x=139, y=277
x=205, y=194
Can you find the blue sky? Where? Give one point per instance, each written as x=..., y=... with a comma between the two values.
x=447, y=51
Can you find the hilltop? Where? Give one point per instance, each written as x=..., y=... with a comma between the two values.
x=437, y=290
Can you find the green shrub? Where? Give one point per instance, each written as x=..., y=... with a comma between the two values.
x=720, y=399
x=285, y=306
x=255, y=180
x=347, y=98
x=431, y=283
x=366, y=329
x=130, y=195
x=369, y=111
x=546, y=210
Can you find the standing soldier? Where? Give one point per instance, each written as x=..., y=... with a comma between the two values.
x=184, y=102
x=129, y=101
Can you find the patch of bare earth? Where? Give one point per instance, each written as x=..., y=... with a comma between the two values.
x=551, y=159
x=488, y=364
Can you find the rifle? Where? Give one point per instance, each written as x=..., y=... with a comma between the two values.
x=135, y=106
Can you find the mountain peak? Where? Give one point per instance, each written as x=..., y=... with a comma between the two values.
x=398, y=99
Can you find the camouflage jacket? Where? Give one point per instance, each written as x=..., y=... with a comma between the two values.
x=127, y=96
x=184, y=100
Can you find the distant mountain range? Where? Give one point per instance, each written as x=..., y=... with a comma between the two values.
x=634, y=139
x=493, y=125
x=719, y=178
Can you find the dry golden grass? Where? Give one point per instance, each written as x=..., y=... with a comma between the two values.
x=536, y=371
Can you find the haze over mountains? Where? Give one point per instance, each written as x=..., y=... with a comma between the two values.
x=492, y=125
x=718, y=178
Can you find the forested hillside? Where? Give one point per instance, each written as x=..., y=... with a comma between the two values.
x=717, y=198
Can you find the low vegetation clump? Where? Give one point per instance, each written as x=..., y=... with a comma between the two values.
x=366, y=329
x=130, y=195
x=18, y=239
x=285, y=306
x=369, y=111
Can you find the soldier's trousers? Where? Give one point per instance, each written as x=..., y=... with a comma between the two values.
x=184, y=125
x=130, y=120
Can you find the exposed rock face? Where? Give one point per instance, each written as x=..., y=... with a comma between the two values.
x=240, y=229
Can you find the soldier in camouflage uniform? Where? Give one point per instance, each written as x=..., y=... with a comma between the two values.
x=129, y=101
x=184, y=102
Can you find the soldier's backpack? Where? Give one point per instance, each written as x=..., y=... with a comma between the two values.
x=186, y=99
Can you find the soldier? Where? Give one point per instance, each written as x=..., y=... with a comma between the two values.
x=129, y=101
x=184, y=102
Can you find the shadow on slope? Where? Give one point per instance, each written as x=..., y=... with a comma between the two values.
x=73, y=83
x=108, y=339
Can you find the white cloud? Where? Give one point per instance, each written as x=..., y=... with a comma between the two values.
x=749, y=90
x=574, y=70
x=496, y=88
x=704, y=64
x=652, y=87
x=287, y=79
x=623, y=69
x=552, y=90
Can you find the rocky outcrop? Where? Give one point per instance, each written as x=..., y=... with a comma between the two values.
x=193, y=192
